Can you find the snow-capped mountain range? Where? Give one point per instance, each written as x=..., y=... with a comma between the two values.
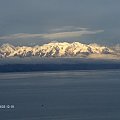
x=60, y=49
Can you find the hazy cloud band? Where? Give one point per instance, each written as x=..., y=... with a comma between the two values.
x=53, y=35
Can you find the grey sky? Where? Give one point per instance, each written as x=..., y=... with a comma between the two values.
x=42, y=16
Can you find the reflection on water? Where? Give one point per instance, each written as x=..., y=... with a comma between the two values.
x=73, y=95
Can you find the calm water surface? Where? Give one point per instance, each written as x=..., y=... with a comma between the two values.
x=66, y=95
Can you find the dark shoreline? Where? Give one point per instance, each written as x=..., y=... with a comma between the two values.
x=55, y=64
x=56, y=67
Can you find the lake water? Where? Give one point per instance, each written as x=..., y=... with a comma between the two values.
x=63, y=95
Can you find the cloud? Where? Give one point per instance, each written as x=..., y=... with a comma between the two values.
x=53, y=35
x=69, y=34
x=20, y=35
x=68, y=28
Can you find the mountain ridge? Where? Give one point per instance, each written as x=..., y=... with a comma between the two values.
x=60, y=49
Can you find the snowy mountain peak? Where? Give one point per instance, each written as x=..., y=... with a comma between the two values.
x=58, y=49
x=7, y=46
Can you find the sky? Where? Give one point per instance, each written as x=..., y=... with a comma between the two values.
x=32, y=22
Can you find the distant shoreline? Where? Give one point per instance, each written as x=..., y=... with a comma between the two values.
x=55, y=64
x=55, y=67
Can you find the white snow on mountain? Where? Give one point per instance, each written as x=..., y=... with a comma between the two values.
x=60, y=49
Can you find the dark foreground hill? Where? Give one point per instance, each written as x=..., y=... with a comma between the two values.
x=56, y=64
